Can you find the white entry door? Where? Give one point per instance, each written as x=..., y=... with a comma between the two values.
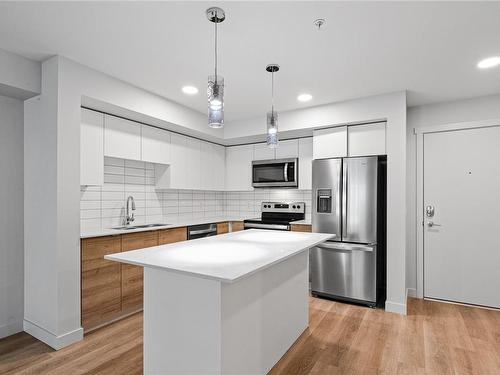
x=462, y=234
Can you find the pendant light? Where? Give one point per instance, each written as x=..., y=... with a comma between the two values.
x=272, y=116
x=215, y=90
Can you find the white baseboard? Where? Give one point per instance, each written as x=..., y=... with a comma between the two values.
x=398, y=308
x=55, y=341
x=11, y=328
x=411, y=292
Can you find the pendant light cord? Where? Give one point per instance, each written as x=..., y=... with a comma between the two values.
x=215, y=52
x=272, y=92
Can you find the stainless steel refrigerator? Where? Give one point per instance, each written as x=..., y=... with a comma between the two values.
x=349, y=201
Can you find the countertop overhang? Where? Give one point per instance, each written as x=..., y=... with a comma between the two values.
x=227, y=257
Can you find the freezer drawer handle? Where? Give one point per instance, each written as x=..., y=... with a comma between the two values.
x=346, y=248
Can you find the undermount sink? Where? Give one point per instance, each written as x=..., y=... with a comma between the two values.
x=129, y=227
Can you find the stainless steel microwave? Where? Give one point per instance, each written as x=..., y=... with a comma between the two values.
x=275, y=173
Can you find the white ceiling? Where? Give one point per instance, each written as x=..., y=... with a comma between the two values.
x=429, y=48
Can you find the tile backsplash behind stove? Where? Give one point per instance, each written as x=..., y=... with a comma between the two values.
x=104, y=207
x=247, y=203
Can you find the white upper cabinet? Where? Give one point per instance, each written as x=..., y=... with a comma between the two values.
x=287, y=149
x=193, y=170
x=305, y=163
x=239, y=167
x=155, y=145
x=122, y=138
x=207, y=166
x=220, y=167
x=367, y=139
x=91, y=148
x=261, y=151
x=177, y=171
x=213, y=165
x=330, y=143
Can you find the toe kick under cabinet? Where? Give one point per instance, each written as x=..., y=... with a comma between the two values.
x=109, y=290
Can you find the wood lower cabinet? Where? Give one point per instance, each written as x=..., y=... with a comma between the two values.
x=222, y=228
x=172, y=235
x=101, y=293
x=111, y=290
x=236, y=226
x=301, y=228
x=132, y=276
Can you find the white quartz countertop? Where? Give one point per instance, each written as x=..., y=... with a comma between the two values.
x=227, y=257
x=184, y=223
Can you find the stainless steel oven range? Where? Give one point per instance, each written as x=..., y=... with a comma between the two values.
x=277, y=215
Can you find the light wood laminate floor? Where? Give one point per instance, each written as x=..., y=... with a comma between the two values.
x=435, y=338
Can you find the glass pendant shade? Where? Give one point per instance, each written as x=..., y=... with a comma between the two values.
x=272, y=129
x=215, y=94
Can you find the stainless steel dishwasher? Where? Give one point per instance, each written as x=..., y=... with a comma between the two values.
x=202, y=230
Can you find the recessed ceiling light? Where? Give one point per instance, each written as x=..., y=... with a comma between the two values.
x=304, y=97
x=489, y=62
x=190, y=90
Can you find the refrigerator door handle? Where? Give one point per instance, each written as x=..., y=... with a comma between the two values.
x=344, y=197
x=346, y=247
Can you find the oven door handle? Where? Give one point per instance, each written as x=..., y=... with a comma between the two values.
x=266, y=226
x=285, y=172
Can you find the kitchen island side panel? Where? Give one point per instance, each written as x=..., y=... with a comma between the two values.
x=263, y=315
x=199, y=326
x=182, y=324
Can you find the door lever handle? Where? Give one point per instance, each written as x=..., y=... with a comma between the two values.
x=432, y=224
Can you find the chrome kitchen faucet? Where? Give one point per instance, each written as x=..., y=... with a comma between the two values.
x=130, y=208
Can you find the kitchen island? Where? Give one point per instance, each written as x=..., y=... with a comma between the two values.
x=229, y=304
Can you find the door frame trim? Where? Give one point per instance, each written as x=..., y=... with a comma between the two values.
x=419, y=170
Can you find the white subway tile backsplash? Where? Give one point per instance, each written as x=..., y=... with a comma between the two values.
x=135, y=164
x=113, y=195
x=90, y=205
x=90, y=224
x=113, y=169
x=139, y=180
x=114, y=161
x=170, y=203
x=113, y=212
x=113, y=178
x=141, y=172
x=112, y=187
x=90, y=214
x=152, y=211
x=185, y=195
x=112, y=204
x=104, y=207
x=170, y=210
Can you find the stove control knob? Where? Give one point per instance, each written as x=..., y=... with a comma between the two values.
x=298, y=206
x=293, y=206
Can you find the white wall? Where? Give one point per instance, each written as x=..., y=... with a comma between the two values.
x=19, y=77
x=476, y=109
x=11, y=216
x=391, y=107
